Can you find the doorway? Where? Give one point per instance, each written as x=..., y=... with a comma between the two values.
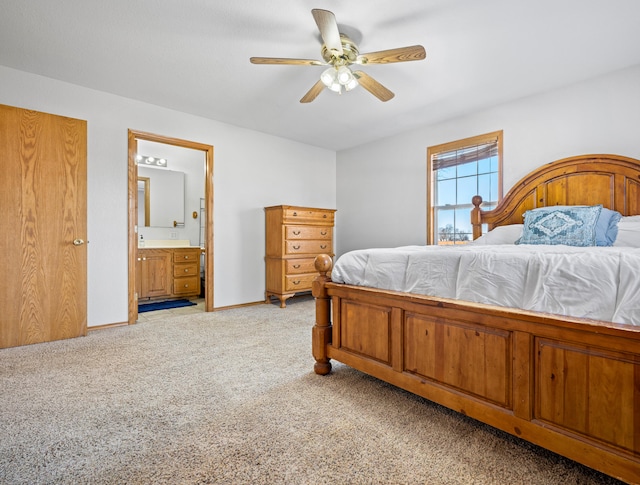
x=133, y=138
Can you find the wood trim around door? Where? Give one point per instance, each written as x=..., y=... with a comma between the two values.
x=133, y=137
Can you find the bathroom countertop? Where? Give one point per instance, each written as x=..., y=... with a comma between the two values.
x=167, y=243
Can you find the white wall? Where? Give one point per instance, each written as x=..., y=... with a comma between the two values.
x=251, y=170
x=380, y=190
x=381, y=187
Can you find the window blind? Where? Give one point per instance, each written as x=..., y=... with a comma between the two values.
x=468, y=154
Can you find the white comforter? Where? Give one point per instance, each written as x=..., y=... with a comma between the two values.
x=601, y=283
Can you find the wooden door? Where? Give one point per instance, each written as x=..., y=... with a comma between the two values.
x=43, y=219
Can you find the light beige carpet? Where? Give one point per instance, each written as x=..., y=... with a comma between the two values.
x=230, y=397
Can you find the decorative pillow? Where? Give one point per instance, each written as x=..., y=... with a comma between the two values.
x=501, y=235
x=571, y=226
x=607, y=227
x=628, y=232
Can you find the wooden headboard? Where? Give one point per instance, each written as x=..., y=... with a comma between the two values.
x=610, y=180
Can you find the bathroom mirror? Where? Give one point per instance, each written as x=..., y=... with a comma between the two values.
x=160, y=197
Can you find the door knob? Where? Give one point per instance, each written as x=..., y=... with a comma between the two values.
x=78, y=242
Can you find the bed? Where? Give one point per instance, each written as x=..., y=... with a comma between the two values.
x=569, y=384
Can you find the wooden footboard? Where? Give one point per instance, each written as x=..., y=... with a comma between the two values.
x=569, y=385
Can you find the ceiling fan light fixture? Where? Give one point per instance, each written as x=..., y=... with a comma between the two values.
x=336, y=78
x=344, y=75
x=351, y=84
x=329, y=77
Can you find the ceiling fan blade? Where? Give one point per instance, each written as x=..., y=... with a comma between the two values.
x=284, y=60
x=328, y=27
x=313, y=92
x=401, y=54
x=373, y=86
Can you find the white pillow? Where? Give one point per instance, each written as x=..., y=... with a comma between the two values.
x=628, y=232
x=501, y=235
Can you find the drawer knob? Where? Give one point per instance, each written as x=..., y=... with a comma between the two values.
x=186, y=285
x=296, y=266
x=296, y=233
x=323, y=246
x=295, y=214
x=186, y=270
x=324, y=233
x=296, y=282
x=296, y=247
x=325, y=216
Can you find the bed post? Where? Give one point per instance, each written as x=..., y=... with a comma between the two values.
x=476, y=222
x=321, y=334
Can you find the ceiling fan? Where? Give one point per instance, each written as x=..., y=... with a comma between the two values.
x=339, y=52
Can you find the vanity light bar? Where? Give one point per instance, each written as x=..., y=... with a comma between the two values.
x=158, y=162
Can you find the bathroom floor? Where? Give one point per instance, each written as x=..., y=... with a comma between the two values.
x=150, y=316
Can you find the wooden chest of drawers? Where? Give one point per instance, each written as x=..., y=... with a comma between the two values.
x=294, y=237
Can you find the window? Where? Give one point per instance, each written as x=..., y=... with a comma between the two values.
x=457, y=171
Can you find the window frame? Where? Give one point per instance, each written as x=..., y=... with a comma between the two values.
x=434, y=150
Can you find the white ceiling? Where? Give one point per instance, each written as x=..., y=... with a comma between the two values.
x=193, y=56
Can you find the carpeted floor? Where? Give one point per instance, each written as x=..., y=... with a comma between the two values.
x=230, y=397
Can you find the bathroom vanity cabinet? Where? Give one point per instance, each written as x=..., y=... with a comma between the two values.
x=168, y=273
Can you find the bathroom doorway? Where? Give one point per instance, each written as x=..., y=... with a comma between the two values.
x=205, y=211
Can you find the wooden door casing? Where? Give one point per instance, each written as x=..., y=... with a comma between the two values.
x=132, y=199
x=43, y=159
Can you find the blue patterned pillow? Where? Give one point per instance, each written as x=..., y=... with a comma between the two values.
x=571, y=226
